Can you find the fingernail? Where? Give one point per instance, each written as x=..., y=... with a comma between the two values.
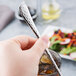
x=45, y=38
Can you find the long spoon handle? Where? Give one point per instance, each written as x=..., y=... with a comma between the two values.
x=27, y=17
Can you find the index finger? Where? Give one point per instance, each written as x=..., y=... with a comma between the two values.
x=25, y=42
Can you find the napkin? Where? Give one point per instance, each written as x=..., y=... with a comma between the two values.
x=6, y=16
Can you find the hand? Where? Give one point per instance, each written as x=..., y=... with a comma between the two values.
x=20, y=56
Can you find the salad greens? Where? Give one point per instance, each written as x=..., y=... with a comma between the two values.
x=53, y=40
x=59, y=44
x=68, y=50
x=74, y=31
x=55, y=44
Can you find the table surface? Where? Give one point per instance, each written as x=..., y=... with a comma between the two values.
x=67, y=20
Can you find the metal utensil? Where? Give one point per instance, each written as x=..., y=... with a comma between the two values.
x=27, y=17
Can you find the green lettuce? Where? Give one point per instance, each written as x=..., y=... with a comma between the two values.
x=68, y=50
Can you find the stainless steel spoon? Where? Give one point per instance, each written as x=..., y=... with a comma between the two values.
x=27, y=17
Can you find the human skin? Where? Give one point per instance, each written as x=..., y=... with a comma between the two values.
x=19, y=56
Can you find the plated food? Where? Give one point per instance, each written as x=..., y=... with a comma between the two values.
x=63, y=41
x=46, y=67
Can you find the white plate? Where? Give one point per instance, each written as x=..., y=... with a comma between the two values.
x=50, y=30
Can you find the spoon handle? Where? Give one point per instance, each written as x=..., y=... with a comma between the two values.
x=27, y=17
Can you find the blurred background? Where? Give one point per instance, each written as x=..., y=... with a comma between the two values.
x=64, y=16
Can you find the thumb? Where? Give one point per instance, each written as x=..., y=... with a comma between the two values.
x=40, y=45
